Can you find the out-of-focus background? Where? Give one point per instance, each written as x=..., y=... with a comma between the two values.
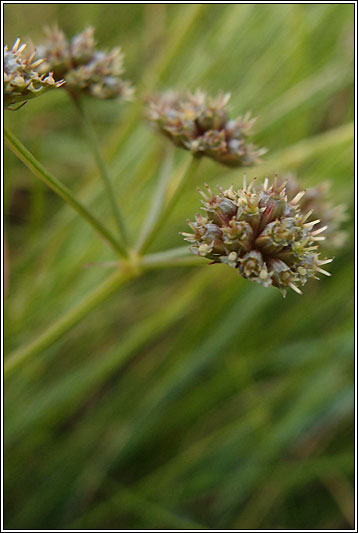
x=191, y=398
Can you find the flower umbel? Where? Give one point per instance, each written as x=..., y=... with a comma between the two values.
x=261, y=233
x=85, y=69
x=202, y=125
x=21, y=79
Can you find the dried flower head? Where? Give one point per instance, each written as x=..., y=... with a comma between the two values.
x=21, y=79
x=316, y=201
x=202, y=125
x=85, y=69
x=261, y=233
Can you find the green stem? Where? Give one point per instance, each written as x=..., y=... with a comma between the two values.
x=162, y=216
x=72, y=317
x=171, y=258
x=94, y=146
x=180, y=256
x=158, y=200
x=127, y=270
x=36, y=167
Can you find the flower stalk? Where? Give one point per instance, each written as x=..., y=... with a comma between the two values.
x=161, y=215
x=36, y=167
x=158, y=199
x=127, y=270
x=94, y=146
x=66, y=322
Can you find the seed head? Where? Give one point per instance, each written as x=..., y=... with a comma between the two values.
x=261, y=233
x=202, y=125
x=85, y=69
x=22, y=81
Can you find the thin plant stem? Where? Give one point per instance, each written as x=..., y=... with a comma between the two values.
x=66, y=322
x=158, y=199
x=37, y=168
x=94, y=146
x=180, y=256
x=115, y=140
x=165, y=212
x=127, y=270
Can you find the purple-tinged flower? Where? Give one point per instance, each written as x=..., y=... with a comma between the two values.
x=85, y=68
x=202, y=126
x=261, y=233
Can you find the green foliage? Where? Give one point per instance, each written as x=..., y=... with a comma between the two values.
x=190, y=398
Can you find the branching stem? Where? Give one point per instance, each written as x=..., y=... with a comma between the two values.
x=37, y=168
x=127, y=270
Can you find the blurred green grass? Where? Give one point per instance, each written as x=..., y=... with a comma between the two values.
x=190, y=398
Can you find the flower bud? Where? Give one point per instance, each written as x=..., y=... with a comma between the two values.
x=253, y=267
x=238, y=235
x=282, y=276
